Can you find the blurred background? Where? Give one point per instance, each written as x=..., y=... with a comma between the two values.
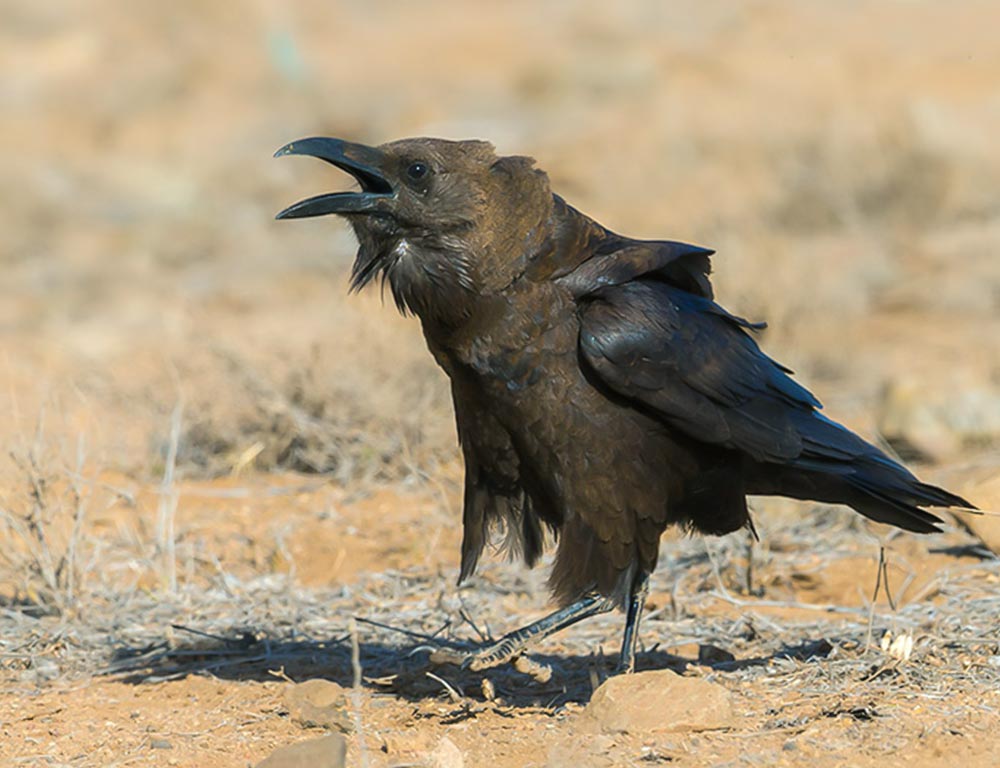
x=205, y=439
x=841, y=157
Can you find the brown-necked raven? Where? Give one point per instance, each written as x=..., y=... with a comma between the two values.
x=601, y=393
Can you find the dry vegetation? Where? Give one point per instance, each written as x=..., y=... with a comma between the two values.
x=213, y=457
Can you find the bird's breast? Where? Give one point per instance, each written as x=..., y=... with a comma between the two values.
x=524, y=349
x=584, y=455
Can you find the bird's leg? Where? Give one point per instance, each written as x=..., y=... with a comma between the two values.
x=510, y=645
x=637, y=599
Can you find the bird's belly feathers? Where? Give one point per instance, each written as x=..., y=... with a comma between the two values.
x=598, y=457
x=603, y=473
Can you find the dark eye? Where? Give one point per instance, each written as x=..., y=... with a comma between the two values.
x=417, y=171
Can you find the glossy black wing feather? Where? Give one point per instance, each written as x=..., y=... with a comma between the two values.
x=693, y=365
x=680, y=264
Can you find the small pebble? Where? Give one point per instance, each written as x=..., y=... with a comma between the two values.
x=489, y=692
x=319, y=704
x=712, y=654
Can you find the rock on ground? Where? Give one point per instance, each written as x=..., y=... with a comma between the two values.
x=986, y=495
x=326, y=752
x=446, y=755
x=712, y=654
x=659, y=700
x=319, y=704
x=936, y=421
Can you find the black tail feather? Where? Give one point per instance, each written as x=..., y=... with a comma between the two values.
x=839, y=467
x=883, y=507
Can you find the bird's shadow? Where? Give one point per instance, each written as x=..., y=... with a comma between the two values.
x=405, y=670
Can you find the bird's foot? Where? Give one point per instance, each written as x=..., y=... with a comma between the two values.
x=491, y=656
x=511, y=645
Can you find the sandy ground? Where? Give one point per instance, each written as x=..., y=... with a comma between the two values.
x=203, y=433
x=73, y=695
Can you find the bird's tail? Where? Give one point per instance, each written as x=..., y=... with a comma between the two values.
x=891, y=494
x=837, y=466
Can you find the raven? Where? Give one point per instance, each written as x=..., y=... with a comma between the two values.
x=600, y=392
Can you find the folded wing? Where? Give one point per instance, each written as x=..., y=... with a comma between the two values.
x=688, y=362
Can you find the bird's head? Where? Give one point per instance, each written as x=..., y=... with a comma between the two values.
x=445, y=223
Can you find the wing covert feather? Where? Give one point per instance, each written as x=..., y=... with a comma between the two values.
x=694, y=365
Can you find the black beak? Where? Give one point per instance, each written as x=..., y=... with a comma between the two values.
x=363, y=163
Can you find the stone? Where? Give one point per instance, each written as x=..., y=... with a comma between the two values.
x=713, y=654
x=912, y=425
x=659, y=700
x=319, y=704
x=446, y=755
x=409, y=742
x=985, y=494
x=160, y=744
x=325, y=752
x=927, y=420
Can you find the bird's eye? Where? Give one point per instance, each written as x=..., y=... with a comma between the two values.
x=417, y=171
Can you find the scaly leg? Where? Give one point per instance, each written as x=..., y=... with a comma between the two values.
x=637, y=599
x=510, y=645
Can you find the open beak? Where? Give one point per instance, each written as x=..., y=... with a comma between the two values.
x=363, y=163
